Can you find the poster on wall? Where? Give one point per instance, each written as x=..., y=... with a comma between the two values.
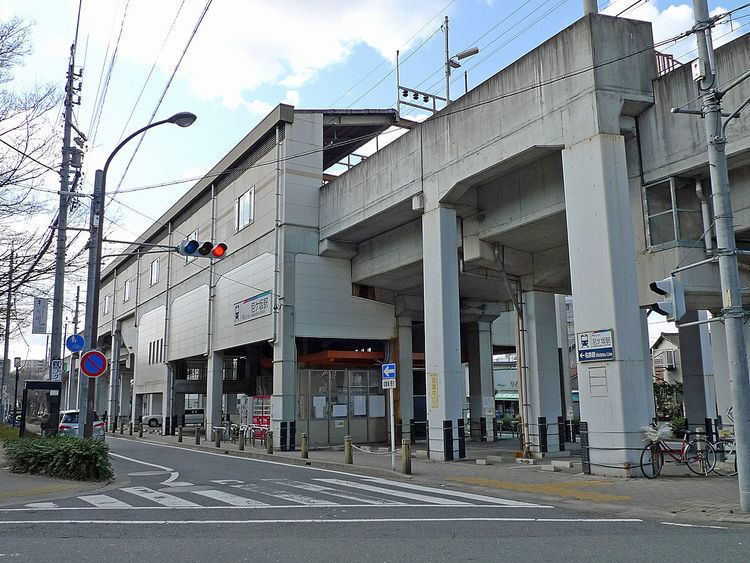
x=252, y=308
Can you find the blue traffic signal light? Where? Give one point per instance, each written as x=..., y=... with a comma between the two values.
x=195, y=249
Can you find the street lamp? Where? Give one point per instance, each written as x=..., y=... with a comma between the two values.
x=17, y=365
x=86, y=396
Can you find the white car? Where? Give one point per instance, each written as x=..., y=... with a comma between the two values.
x=193, y=417
x=69, y=424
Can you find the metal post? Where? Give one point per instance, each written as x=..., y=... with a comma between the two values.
x=217, y=437
x=348, y=458
x=15, y=399
x=590, y=7
x=241, y=444
x=466, y=82
x=58, y=297
x=305, y=446
x=406, y=456
x=6, y=359
x=269, y=442
x=447, y=65
x=726, y=250
x=140, y=430
x=130, y=427
x=393, y=429
x=69, y=400
x=198, y=436
x=179, y=433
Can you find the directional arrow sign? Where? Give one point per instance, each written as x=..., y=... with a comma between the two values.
x=389, y=371
x=93, y=363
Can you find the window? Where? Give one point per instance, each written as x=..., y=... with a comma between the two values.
x=245, y=209
x=192, y=236
x=106, y=304
x=673, y=212
x=154, y=279
x=126, y=291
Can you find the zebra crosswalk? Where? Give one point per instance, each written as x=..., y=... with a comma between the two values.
x=279, y=494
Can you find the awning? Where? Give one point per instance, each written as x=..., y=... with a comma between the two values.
x=506, y=396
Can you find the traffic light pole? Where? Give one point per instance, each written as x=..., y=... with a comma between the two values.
x=6, y=360
x=726, y=250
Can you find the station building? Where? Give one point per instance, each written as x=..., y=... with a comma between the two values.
x=564, y=173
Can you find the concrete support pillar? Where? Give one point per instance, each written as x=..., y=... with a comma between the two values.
x=168, y=401
x=446, y=390
x=214, y=389
x=405, y=376
x=543, y=361
x=114, y=376
x=481, y=385
x=283, y=400
x=616, y=395
x=697, y=393
x=137, y=413
x=562, y=350
x=723, y=385
x=123, y=402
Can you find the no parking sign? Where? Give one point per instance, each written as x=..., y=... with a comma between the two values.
x=93, y=363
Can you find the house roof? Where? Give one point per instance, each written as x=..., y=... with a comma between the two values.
x=671, y=337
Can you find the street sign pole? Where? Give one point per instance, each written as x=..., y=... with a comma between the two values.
x=389, y=382
x=393, y=433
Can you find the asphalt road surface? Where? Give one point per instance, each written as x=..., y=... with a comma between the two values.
x=174, y=504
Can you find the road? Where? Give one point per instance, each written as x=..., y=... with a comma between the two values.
x=174, y=504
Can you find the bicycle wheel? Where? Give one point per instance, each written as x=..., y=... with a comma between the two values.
x=652, y=460
x=700, y=457
x=726, y=458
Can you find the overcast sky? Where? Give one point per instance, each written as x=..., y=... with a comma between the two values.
x=247, y=56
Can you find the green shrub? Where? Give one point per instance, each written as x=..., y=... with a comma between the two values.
x=68, y=457
x=7, y=433
x=679, y=425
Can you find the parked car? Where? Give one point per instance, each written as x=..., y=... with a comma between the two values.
x=69, y=424
x=192, y=417
x=152, y=420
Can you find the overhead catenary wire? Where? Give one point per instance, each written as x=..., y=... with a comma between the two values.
x=26, y=155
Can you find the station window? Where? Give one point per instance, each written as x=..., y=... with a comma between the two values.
x=154, y=272
x=245, y=209
x=673, y=212
x=106, y=304
x=126, y=291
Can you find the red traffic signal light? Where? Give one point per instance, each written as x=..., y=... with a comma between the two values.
x=219, y=250
x=206, y=249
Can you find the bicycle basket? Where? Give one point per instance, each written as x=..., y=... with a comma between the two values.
x=654, y=434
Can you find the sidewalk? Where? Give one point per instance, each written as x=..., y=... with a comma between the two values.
x=676, y=493
x=17, y=488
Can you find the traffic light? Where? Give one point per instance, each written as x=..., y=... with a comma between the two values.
x=207, y=249
x=673, y=305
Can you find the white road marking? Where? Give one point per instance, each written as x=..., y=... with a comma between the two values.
x=41, y=505
x=224, y=507
x=146, y=473
x=292, y=497
x=105, y=501
x=694, y=526
x=461, y=494
x=227, y=481
x=229, y=498
x=331, y=521
x=171, y=480
x=141, y=462
x=160, y=498
x=412, y=496
x=312, y=487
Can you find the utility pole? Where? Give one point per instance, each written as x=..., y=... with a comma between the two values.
x=726, y=250
x=62, y=219
x=447, y=64
x=6, y=360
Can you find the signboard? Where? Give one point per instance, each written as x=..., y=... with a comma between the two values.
x=595, y=346
x=434, y=391
x=57, y=369
x=75, y=343
x=93, y=363
x=39, y=317
x=252, y=308
x=389, y=376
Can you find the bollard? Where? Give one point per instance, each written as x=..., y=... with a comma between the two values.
x=140, y=430
x=348, y=450
x=122, y=429
x=252, y=436
x=179, y=434
x=406, y=456
x=305, y=447
x=217, y=437
x=269, y=442
x=198, y=436
x=241, y=445
x=130, y=428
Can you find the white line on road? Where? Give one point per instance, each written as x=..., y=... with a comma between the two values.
x=381, y=490
x=313, y=488
x=146, y=473
x=292, y=497
x=170, y=481
x=160, y=498
x=105, y=501
x=54, y=508
x=452, y=493
x=119, y=456
x=694, y=526
x=229, y=498
x=332, y=521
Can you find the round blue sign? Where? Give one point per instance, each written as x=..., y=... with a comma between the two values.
x=75, y=343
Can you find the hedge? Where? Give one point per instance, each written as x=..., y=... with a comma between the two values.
x=68, y=457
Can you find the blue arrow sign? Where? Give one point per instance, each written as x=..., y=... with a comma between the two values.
x=75, y=343
x=389, y=371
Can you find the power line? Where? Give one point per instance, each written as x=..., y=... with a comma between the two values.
x=19, y=151
x=164, y=93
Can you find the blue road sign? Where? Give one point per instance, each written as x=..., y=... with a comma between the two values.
x=389, y=371
x=93, y=363
x=75, y=343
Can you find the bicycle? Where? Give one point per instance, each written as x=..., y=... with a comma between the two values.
x=699, y=455
x=725, y=454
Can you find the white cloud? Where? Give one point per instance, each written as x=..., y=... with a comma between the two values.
x=292, y=97
x=243, y=45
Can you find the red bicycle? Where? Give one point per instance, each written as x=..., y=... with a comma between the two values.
x=698, y=454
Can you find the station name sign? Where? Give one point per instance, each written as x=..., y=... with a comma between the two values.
x=252, y=308
x=595, y=346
